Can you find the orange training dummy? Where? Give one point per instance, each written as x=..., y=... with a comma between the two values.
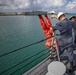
x=47, y=29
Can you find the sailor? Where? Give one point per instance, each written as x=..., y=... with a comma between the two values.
x=73, y=19
x=66, y=38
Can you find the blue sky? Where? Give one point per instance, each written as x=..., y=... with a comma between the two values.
x=45, y=5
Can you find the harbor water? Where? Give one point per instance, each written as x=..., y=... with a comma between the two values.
x=17, y=32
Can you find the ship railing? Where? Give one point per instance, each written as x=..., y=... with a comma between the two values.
x=49, y=54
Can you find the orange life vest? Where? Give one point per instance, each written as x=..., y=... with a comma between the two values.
x=47, y=29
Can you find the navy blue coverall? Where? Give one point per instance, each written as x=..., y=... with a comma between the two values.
x=74, y=28
x=66, y=39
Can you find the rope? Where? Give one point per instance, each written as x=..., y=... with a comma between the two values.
x=22, y=47
x=25, y=46
x=29, y=63
x=23, y=61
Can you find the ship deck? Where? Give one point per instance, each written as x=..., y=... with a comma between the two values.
x=66, y=62
x=41, y=68
x=64, y=59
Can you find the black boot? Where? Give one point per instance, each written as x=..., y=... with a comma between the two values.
x=72, y=68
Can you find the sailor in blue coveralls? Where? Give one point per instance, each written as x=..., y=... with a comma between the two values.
x=73, y=19
x=66, y=39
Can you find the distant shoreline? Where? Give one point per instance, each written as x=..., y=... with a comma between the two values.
x=22, y=13
x=28, y=13
x=25, y=13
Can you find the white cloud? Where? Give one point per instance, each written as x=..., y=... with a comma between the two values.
x=50, y=3
x=71, y=5
x=14, y=4
x=56, y=3
x=22, y=3
x=47, y=5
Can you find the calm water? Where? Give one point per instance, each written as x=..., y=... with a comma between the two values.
x=16, y=32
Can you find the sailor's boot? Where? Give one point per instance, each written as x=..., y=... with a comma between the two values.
x=72, y=67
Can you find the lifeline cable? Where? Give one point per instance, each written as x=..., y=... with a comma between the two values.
x=29, y=63
x=23, y=61
x=23, y=47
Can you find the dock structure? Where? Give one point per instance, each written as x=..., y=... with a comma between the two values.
x=22, y=13
x=28, y=13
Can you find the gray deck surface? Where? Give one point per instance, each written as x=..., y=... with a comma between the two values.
x=41, y=68
x=64, y=59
